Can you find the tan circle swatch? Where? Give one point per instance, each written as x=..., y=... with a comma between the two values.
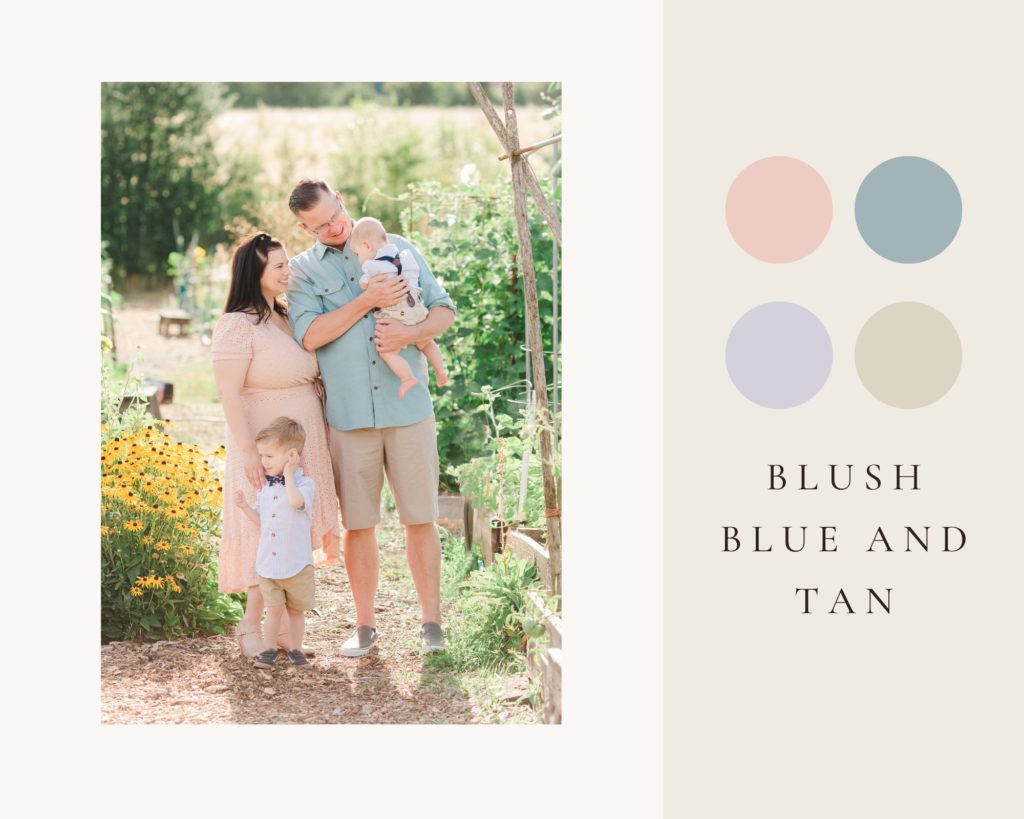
x=908, y=355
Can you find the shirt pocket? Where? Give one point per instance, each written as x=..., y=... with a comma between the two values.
x=334, y=295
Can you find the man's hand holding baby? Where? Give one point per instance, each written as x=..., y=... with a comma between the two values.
x=391, y=336
x=384, y=292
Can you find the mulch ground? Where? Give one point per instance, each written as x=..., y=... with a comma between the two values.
x=206, y=679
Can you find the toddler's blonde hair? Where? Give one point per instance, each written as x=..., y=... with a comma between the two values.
x=285, y=432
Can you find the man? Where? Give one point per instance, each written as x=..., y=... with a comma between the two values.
x=372, y=430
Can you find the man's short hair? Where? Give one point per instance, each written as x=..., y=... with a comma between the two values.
x=369, y=228
x=307, y=193
x=285, y=432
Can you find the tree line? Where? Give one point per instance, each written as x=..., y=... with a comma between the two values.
x=328, y=94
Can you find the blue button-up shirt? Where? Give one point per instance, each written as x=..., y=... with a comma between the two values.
x=361, y=390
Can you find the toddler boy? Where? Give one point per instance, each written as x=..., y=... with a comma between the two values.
x=284, y=559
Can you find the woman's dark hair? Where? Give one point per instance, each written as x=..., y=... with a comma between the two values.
x=247, y=266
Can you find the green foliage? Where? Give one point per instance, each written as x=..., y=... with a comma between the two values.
x=110, y=300
x=486, y=627
x=161, y=505
x=173, y=167
x=324, y=94
x=552, y=95
x=375, y=164
x=122, y=401
x=457, y=564
x=157, y=170
x=467, y=234
x=493, y=480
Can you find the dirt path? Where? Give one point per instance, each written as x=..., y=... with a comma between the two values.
x=206, y=680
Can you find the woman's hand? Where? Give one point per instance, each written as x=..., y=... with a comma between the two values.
x=254, y=472
x=383, y=292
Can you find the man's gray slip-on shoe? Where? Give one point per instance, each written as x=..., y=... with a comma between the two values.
x=432, y=637
x=360, y=643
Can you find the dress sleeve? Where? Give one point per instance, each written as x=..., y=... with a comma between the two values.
x=232, y=337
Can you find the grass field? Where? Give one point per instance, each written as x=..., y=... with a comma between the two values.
x=290, y=141
x=370, y=154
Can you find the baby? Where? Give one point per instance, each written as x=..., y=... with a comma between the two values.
x=284, y=557
x=377, y=255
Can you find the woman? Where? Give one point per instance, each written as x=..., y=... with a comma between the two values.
x=262, y=373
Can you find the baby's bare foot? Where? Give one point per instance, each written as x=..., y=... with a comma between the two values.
x=405, y=386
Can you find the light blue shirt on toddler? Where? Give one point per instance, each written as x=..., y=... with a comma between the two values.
x=286, y=547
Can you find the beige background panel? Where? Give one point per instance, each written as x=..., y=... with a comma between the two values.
x=768, y=711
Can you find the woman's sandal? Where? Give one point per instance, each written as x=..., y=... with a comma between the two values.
x=250, y=643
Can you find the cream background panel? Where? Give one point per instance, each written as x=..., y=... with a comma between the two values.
x=768, y=711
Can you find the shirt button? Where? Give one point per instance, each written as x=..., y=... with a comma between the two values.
x=274, y=554
x=374, y=363
x=375, y=386
x=275, y=497
x=351, y=279
x=273, y=534
x=273, y=514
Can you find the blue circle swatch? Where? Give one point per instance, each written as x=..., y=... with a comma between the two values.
x=908, y=209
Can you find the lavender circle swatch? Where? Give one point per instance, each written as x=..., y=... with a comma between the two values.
x=779, y=355
x=908, y=355
x=778, y=209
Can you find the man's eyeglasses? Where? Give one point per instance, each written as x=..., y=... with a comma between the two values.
x=334, y=220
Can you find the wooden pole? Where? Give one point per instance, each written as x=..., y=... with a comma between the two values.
x=529, y=148
x=534, y=339
x=548, y=212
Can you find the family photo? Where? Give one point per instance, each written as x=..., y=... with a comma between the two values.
x=331, y=391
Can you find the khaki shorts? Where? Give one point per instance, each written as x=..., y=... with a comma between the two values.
x=409, y=457
x=296, y=592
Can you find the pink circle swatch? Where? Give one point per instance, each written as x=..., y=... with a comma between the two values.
x=778, y=209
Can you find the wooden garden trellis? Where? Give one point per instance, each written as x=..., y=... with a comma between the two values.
x=523, y=180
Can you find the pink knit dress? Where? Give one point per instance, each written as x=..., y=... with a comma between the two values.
x=280, y=381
